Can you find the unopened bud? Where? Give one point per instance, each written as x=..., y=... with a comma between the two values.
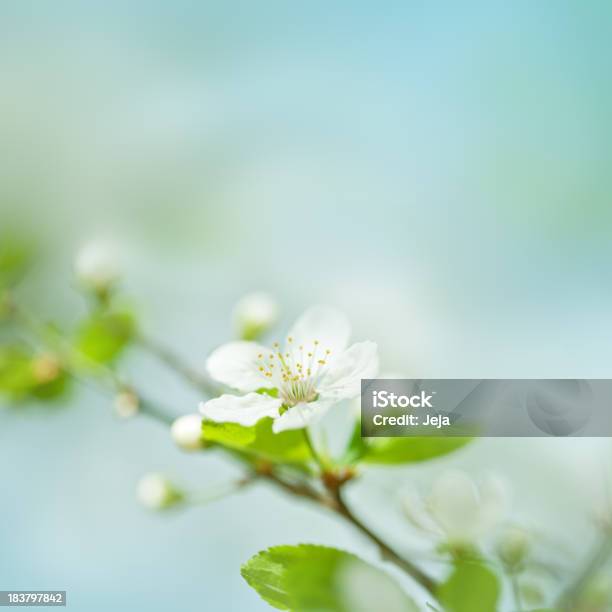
x=97, y=266
x=513, y=547
x=187, y=432
x=126, y=404
x=156, y=492
x=254, y=314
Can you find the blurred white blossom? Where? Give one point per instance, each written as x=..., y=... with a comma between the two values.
x=97, y=265
x=458, y=510
x=254, y=314
x=156, y=492
x=313, y=371
x=187, y=432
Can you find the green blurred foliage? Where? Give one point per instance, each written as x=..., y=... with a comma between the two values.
x=16, y=253
x=25, y=375
x=104, y=335
x=471, y=587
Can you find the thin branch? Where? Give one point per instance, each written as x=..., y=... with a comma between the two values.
x=197, y=380
x=386, y=551
x=516, y=591
x=598, y=558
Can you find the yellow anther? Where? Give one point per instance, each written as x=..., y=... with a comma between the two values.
x=321, y=361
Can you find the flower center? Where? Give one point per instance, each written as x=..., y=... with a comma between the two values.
x=297, y=371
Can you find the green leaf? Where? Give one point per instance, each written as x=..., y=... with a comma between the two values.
x=287, y=446
x=104, y=335
x=228, y=434
x=409, y=450
x=309, y=578
x=260, y=440
x=471, y=587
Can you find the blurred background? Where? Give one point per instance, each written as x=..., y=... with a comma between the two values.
x=440, y=173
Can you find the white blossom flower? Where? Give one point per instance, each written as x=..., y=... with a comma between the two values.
x=457, y=510
x=156, y=492
x=96, y=265
x=254, y=314
x=313, y=370
x=187, y=432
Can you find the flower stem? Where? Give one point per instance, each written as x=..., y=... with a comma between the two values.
x=386, y=551
x=202, y=499
x=313, y=451
x=197, y=380
x=516, y=591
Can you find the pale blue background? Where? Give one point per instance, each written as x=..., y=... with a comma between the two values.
x=440, y=172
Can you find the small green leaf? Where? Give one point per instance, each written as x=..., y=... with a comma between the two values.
x=287, y=446
x=309, y=578
x=260, y=440
x=409, y=450
x=105, y=334
x=471, y=587
x=228, y=434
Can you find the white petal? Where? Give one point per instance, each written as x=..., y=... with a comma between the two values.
x=326, y=325
x=416, y=512
x=245, y=410
x=343, y=378
x=494, y=501
x=454, y=505
x=236, y=364
x=300, y=416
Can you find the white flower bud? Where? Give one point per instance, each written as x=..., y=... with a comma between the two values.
x=254, y=314
x=513, y=546
x=126, y=404
x=187, y=432
x=156, y=492
x=96, y=265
